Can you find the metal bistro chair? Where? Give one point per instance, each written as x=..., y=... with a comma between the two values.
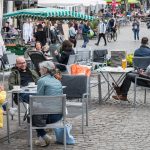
x=42, y=105
x=141, y=63
x=77, y=88
x=36, y=58
x=100, y=57
x=83, y=57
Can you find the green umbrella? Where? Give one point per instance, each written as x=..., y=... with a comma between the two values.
x=48, y=13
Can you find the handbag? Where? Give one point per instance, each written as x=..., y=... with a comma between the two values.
x=59, y=132
x=72, y=40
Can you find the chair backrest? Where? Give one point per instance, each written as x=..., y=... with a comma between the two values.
x=141, y=62
x=76, y=85
x=116, y=57
x=36, y=57
x=100, y=55
x=40, y=105
x=9, y=60
x=71, y=60
x=83, y=56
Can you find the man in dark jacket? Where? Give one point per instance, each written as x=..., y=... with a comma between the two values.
x=144, y=50
x=85, y=32
x=21, y=75
x=40, y=35
x=122, y=91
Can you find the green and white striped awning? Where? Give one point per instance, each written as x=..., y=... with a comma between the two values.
x=47, y=13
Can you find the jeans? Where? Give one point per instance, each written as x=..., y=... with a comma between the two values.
x=86, y=40
x=130, y=77
x=51, y=119
x=24, y=97
x=136, y=34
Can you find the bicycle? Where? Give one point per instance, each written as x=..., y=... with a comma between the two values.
x=111, y=35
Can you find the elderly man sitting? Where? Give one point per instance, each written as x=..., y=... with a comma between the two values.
x=21, y=75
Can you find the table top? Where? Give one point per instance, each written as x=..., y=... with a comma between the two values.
x=27, y=89
x=114, y=69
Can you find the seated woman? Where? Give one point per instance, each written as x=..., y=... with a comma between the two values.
x=40, y=48
x=63, y=56
x=47, y=85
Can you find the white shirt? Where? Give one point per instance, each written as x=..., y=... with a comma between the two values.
x=102, y=27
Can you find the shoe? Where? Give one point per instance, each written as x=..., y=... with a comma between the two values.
x=117, y=89
x=105, y=44
x=96, y=44
x=41, y=142
x=120, y=97
x=47, y=138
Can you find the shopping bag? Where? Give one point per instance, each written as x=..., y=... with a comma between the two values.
x=80, y=70
x=59, y=132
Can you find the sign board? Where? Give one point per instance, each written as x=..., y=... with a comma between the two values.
x=116, y=58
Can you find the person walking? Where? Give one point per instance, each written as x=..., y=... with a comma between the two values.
x=85, y=31
x=136, y=28
x=101, y=32
x=72, y=34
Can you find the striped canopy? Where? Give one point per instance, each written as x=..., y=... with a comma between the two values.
x=47, y=13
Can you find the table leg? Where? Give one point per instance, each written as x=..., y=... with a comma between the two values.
x=19, y=122
x=99, y=88
x=108, y=85
x=8, y=128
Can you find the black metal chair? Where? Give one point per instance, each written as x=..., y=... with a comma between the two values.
x=77, y=88
x=36, y=57
x=100, y=56
x=141, y=62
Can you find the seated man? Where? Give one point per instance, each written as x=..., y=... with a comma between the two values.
x=122, y=91
x=144, y=50
x=21, y=75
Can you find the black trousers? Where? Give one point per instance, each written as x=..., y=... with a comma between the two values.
x=130, y=77
x=99, y=38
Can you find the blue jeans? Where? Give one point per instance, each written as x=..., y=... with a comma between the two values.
x=24, y=97
x=51, y=119
x=86, y=40
x=136, y=34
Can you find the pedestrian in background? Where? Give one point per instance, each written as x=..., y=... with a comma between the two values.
x=85, y=32
x=72, y=34
x=136, y=28
x=101, y=32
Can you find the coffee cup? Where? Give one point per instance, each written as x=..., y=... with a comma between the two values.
x=31, y=84
x=16, y=87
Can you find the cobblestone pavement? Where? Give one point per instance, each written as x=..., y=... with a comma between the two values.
x=113, y=125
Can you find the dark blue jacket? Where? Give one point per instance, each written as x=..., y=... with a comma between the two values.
x=85, y=29
x=143, y=51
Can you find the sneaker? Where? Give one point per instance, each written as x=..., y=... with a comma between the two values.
x=12, y=111
x=120, y=97
x=41, y=142
x=96, y=44
x=47, y=138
